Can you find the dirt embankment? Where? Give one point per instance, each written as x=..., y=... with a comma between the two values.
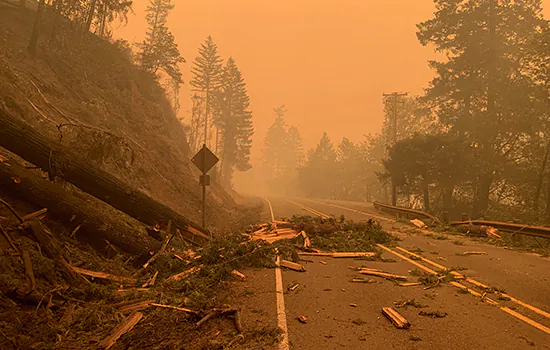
x=87, y=93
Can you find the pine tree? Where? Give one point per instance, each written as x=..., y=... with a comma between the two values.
x=207, y=75
x=234, y=120
x=159, y=49
x=480, y=92
x=320, y=173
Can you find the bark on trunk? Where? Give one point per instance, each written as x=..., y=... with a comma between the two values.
x=541, y=178
x=96, y=220
x=36, y=28
x=482, y=200
x=23, y=140
x=426, y=195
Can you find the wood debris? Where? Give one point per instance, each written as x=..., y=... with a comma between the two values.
x=363, y=280
x=323, y=262
x=474, y=253
x=132, y=306
x=315, y=254
x=39, y=214
x=167, y=239
x=29, y=274
x=307, y=241
x=353, y=254
x=124, y=327
x=293, y=287
x=292, y=265
x=410, y=284
x=238, y=275
x=302, y=319
x=418, y=223
x=174, y=308
x=398, y=320
x=103, y=275
x=184, y=274
x=151, y=282
x=383, y=274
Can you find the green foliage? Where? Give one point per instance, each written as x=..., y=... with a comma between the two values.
x=234, y=119
x=282, y=155
x=159, y=49
x=329, y=235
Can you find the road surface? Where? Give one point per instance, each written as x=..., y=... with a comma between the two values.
x=342, y=314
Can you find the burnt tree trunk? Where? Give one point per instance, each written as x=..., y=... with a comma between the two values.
x=21, y=139
x=36, y=28
x=98, y=222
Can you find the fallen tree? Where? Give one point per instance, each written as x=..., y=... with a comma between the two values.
x=20, y=138
x=97, y=221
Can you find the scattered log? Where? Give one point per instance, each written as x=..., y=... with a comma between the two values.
x=167, y=239
x=315, y=254
x=307, y=241
x=398, y=320
x=410, y=284
x=293, y=287
x=95, y=218
x=52, y=250
x=215, y=313
x=238, y=275
x=39, y=214
x=292, y=265
x=362, y=280
x=139, y=306
x=238, y=322
x=124, y=327
x=175, y=308
x=474, y=253
x=383, y=274
x=418, y=223
x=103, y=275
x=353, y=255
x=29, y=274
x=302, y=319
x=23, y=140
x=184, y=274
x=151, y=281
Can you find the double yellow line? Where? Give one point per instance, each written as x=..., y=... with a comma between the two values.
x=311, y=210
x=457, y=275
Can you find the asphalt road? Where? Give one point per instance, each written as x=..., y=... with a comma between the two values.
x=342, y=314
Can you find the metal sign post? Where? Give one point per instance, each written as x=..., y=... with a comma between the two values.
x=204, y=160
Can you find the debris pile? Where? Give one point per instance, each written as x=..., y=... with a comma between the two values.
x=69, y=295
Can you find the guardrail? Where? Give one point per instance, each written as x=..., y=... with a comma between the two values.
x=400, y=211
x=536, y=231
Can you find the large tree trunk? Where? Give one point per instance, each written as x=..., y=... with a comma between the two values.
x=482, y=196
x=99, y=221
x=36, y=28
x=540, y=178
x=426, y=195
x=91, y=14
x=23, y=140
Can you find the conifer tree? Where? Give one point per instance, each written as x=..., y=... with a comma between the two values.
x=159, y=49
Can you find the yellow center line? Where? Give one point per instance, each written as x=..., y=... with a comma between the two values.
x=456, y=284
x=354, y=210
x=311, y=210
x=270, y=209
x=479, y=284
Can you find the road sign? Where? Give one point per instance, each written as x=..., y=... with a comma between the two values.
x=204, y=159
x=204, y=180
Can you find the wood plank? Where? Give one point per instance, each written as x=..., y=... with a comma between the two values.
x=353, y=254
x=124, y=327
x=292, y=265
x=398, y=320
x=103, y=275
x=383, y=274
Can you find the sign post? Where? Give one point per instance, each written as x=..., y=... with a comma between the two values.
x=204, y=160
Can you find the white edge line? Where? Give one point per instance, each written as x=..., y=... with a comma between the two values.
x=281, y=313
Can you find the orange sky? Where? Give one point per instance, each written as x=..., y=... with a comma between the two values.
x=328, y=61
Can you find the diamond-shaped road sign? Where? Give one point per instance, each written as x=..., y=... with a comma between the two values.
x=204, y=159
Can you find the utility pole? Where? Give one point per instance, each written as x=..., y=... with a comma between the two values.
x=394, y=96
